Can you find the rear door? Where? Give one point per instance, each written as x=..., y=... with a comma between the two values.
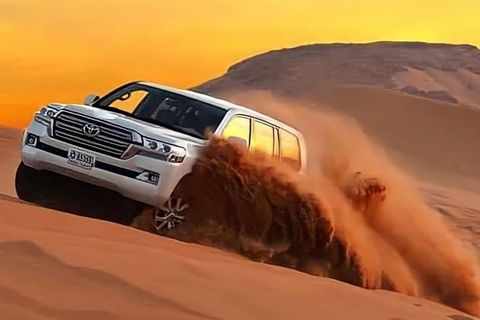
x=263, y=138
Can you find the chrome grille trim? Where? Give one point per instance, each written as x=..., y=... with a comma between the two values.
x=112, y=140
x=68, y=118
x=87, y=143
x=100, y=137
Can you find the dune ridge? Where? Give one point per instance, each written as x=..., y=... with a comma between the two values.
x=442, y=72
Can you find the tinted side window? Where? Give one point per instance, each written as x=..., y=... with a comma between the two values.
x=289, y=149
x=262, y=138
x=238, y=128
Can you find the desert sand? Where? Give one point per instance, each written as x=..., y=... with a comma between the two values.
x=61, y=266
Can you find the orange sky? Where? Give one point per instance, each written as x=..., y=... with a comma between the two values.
x=61, y=50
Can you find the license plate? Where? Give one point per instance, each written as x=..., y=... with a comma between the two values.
x=81, y=159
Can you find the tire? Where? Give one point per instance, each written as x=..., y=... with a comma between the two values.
x=28, y=183
x=61, y=193
x=171, y=215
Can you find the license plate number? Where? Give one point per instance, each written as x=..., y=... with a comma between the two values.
x=81, y=159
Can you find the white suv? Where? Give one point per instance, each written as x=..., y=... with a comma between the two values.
x=141, y=139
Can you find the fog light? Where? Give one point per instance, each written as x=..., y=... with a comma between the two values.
x=31, y=140
x=175, y=159
x=150, y=177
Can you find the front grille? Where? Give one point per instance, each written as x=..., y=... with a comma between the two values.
x=112, y=140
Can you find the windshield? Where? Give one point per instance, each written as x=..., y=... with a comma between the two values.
x=164, y=108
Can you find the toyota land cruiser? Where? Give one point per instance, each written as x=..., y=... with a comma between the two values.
x=141, y=139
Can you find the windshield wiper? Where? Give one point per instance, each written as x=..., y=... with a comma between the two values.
x=114, y=109
x=172, y=127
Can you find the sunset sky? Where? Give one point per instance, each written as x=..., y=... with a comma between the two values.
x=61, y=50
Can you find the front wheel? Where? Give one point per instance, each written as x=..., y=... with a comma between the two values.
x=171, y=215
x=62, y=193
x=28, y=183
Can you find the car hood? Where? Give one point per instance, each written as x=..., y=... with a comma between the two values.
x=143, y=128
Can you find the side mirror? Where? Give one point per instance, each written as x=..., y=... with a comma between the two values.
x=90, y=99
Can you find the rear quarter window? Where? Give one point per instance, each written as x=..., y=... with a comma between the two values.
x=290, y=149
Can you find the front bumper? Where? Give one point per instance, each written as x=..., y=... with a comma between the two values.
x=115, y=174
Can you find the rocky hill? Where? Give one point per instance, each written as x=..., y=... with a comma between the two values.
x=444, y=72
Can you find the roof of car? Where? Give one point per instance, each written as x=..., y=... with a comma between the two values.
x=195, y=95
x=218, y=103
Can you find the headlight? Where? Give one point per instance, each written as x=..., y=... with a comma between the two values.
x=163, y=151
x=45, y=115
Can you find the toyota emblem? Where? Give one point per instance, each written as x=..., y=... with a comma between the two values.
x=91, y=130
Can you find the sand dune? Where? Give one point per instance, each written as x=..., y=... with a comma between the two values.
x=9, y=159
x=435, y=141
x=59, y=266
x=440, y=72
